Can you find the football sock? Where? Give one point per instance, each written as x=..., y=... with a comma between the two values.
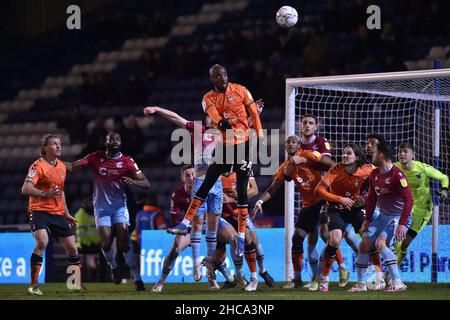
x=169, y=262
x=192, y=210
x=211, y=243
x=242, y=220
x=237, y=261
x=374, y=256
x=36, y=264
x=339, y=259
x=390, y=261
x=250, y=257
x=132, y=261
x=329, y=257
x=352, y=240
x=313, y=259
x=297, y=260
x=110, y=258
x=223, y=269
x=320, y=264
x=260, y=258
x=362, y=263
x=196, y=238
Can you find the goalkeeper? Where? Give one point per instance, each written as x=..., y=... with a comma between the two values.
x=418, y=175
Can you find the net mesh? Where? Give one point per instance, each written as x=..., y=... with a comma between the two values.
x=401, y=110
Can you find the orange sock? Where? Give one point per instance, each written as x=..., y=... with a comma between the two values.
x=193, y=208
x=376, y=261
x=297, y=260
x=242, y=219
x=35, y=269
x=250, y=257
x=339, y=258
x=326, y=267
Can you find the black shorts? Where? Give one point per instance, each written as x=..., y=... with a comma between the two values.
x=56, y=225
x=308, y=218
x=324, y=218
x=231, y=220
x=339, y=219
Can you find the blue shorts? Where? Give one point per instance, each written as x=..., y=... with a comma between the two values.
x=383, y=226
x=213, y=202
x=222, y=225
x=111, y=216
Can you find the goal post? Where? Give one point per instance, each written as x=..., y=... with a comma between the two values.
x=402, y=106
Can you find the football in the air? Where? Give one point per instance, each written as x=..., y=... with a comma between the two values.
x=286, y=17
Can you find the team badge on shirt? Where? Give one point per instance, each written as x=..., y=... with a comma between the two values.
x=32, y=173
x=419, y=176
x=119, y=164
x=404, y=182
x=230, y=98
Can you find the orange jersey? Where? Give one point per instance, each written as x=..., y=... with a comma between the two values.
x=340, y=183
x=232, y=105
x=43, y=175
x=304, y=177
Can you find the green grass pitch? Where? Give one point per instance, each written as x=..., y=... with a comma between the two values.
x=200, y=291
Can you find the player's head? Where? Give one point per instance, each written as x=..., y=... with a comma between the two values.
x=188, y=175
x=292, y=145
x=219, y=77
x=113, y=142
x=352, y=153
x=373, y=140
x=405, y=152
x=382, y=153
x=50, y=146
x=308, y=125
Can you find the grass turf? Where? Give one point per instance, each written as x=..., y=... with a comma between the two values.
x=200, y=291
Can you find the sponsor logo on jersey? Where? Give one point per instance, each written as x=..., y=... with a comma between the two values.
x=404, y=182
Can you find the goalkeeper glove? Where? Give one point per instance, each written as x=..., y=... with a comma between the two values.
x=224, y=125
x=444, y=195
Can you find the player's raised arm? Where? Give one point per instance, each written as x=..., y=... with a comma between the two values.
x=252, y=190
x=254, y=114
x=168, y=114
x=443, y=179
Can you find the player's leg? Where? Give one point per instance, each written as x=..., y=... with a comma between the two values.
x=313, y=255
x=103, y=224
x=212, y=174
x=336, y=226
x=196, y=238
x=419, y=221
x=121, y=224
x=242, y=177
x=263, y=272
x=375, y=258
x=36, y=259
x=214, y=211
x=362, y=258
x=179, y=244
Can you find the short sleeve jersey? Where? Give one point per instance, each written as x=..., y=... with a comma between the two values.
x=179, y=203
x=108, y=173
x=232, y=106
x=342, y=184
x=304, y=177
x=321, y=145
x=43, y=175
x=203, y=146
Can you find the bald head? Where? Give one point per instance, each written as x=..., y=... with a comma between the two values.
x=218, y=77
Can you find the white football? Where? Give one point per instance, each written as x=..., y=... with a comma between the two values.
x=286, y=17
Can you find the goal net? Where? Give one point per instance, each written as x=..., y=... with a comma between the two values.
x=401, y=106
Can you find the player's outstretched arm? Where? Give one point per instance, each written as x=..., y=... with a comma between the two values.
x=275, y=185
x=443, y=179
x=138, y=180
x=322, y=191
x=74, y=166
x=165, y=113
